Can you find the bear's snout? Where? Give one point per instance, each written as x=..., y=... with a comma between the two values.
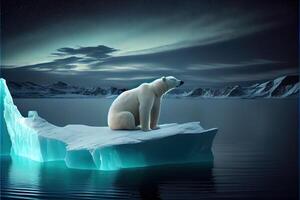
x=180, y=83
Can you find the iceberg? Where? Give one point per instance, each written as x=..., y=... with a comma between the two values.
x=100, y=148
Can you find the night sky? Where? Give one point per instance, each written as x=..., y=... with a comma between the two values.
x=123, y=43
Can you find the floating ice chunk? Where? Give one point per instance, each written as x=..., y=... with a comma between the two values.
x=5, y=143
x=88, y=147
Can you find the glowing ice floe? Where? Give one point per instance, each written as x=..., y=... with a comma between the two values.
x=87, y=147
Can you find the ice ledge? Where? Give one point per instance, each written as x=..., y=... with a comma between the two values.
x=88, y=147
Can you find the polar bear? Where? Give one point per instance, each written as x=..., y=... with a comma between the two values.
x=141, y=105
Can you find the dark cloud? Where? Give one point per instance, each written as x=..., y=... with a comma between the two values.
x=87, y=60
x=57, y=64
x=97, y=52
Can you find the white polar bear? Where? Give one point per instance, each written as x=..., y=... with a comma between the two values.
x=141, y=105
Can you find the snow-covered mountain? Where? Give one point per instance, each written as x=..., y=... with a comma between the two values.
x=59, y=89
x=285, y=86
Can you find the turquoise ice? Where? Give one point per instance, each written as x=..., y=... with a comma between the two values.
x=87, y=147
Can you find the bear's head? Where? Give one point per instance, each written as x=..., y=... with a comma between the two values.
x=165, y=84
x=171, y=82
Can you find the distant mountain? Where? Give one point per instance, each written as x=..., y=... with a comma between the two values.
x=285, y=86
x=59, y=90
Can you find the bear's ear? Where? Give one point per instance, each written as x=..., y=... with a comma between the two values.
x=164, y=78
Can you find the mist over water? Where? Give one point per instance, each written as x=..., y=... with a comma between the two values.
x=255, y=154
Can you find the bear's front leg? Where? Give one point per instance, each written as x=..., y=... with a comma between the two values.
x=155, y=114
x=145, y=112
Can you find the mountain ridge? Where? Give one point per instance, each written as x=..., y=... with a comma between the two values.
x=281, y=87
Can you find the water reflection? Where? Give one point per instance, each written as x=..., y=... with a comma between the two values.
x=54, y=180
x=157, y=182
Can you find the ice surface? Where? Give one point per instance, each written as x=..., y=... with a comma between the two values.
x=88, y=147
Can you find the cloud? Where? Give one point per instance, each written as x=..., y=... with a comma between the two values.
x=207, y=29
x=130, y=78
x=94, y=52
x=7, y=66
x=129, y=67
x=55, y=65
x=212, y=66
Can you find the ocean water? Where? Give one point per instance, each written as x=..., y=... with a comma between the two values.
x=255, y=154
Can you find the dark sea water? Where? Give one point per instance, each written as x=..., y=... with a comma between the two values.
x=255, y=155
